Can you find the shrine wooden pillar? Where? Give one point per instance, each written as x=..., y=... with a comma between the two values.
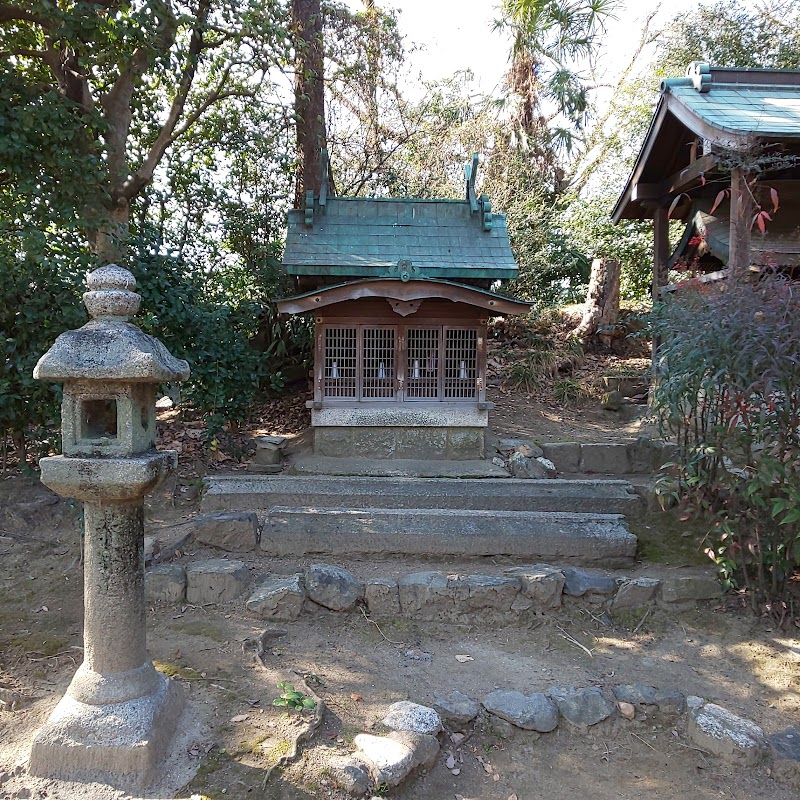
x=741, y=223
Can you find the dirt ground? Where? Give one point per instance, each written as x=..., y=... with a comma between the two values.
x=231, y=733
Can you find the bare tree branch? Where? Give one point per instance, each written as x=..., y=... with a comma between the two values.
x=12, y=13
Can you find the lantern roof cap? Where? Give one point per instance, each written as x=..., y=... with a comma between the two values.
x=108, y=347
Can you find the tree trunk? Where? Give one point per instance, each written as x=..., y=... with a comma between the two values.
x=107, y=241
x=602, y=300
x=309, y=96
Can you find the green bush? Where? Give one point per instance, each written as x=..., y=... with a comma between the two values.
x=728, y=389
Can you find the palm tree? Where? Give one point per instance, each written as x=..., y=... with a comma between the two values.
x=552, y=39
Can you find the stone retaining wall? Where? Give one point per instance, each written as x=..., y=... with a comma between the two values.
x=442, y=442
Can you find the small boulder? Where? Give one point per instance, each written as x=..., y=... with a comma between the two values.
x=456, y=707
x=165, y=584
x=635, y=593
x=333, y=587
x=480, y=592
x=215, y=580
x=548, y=466
x=541, y=583
x=350, y=775
x=527, y=447
x=533, y=712
x=152, y=547
x=784, y=750
x=727, y=735
x=233, y=531
x=382, y=597
x=578, y=582
x=524, y=467
x=690, y=588
x=408, y=716
x=582, y=707
x=612, y=401
x=626, y=710
x=390, y=759
x=424, y=595
x=278, y=598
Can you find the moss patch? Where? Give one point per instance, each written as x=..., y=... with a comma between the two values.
x=664, y=539
x=176, y=671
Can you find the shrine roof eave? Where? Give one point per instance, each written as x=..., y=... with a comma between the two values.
x=397, y=289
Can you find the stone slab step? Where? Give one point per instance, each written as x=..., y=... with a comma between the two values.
x=587, y=539
x=310, y=464
x=237, y=493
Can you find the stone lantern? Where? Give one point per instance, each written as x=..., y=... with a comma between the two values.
x=118, y=714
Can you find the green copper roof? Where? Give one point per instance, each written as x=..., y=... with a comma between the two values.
x=368, y=237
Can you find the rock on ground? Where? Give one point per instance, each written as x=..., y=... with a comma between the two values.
x=541, y=583
x=278, y=598
x=424, y=594
x=522, y=467
x=165, y=584
x=234, y=531
x=533, y=712
x=350, y=775
x=690, y=588
x=635, y=593
x=479, y=592
x=333, y=587
x=578, y=582
x=725, y=734
x=390, y=759
x=456, y=707
x=382, y=597
x=667, y=701
x=582, y=707
x=215, y=580
x=408, y=716
x=784, y=750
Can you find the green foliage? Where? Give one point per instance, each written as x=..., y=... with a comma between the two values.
x=728, y=390
x=292, y=699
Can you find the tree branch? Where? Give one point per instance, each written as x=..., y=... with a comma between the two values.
x=165, y=137
x=11, y=13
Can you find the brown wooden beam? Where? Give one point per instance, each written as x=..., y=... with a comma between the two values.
x=676, y=183
x=741, y=223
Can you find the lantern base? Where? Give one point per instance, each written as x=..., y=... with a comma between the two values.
x=120, y=744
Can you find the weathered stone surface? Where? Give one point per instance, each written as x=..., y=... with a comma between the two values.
x=165, y=585
x=635, y=593
x=234, y=531
x=337, y=442
x=152, y=547
x=407, y=716
x=382, y=597
x=215, y=580
x=533, y=712
x=523, y=467
x=465, y=443
x=478, y=592
x=690, y=588
x=500, y=727
x=526, y=446
x=548, y=466
x=350, y=775
x=278, y=598
x=608, y=458
x=456, y=707
x=374, y=442
x=565, y=455
x=582, y=707
x=390, y=759
x=671, y=702
x=784, y=751
x=578, y=582
x=612, y=401
x=638, y=694
x=541, y=583
x=333, y=587
x=422, y=593
x=727, y=735
x=421, y=442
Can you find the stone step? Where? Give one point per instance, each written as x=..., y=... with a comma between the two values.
x=251, y=493
x=576, y=538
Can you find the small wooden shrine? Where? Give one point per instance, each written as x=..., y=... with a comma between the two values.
x=713, y=132
x=400, y=293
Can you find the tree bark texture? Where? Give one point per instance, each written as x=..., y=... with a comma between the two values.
x=602, y=299
x=309, y=96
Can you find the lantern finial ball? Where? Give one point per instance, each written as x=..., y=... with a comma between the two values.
x=111, y=294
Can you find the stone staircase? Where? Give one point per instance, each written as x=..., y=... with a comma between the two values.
x=568, y=521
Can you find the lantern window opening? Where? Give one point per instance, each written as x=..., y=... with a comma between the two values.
x=99, y=418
